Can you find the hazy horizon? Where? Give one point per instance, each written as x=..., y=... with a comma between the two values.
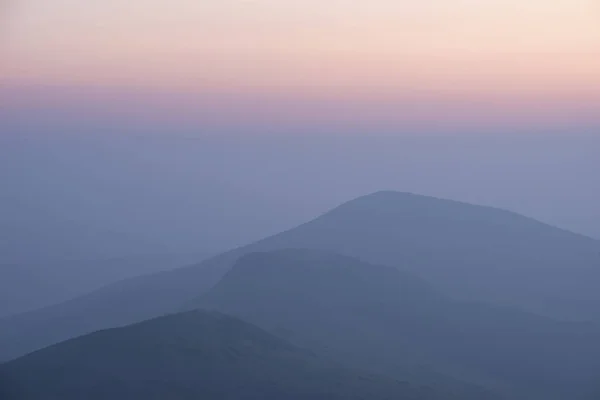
x=207, y=193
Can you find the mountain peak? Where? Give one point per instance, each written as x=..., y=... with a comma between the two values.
x=403, y=207
x=389, y=195
x=295, y=257
x=389, y=200
x=317, y=277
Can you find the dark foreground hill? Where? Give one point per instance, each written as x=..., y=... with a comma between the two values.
x=194, y=355
x=387, y=320
x=477, y=253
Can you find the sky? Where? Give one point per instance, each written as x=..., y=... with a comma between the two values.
x=216, y=122
x=389, y=62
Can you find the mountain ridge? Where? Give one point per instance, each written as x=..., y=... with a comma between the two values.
x=466, y=259
x=385, y=319
x=197, y=354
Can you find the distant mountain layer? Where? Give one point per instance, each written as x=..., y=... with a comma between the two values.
x=380, y=318
x=471, y=252
x=25, y=287
x=195, y=355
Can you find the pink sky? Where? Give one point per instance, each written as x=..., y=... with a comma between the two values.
x=450, y=60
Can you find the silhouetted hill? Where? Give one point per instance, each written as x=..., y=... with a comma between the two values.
x=392, y=322
x=475, y=252
x=472, y=252
x=195, y=355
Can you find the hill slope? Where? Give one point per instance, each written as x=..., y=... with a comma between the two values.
x=475, y=252
x=478, y=253
x=25, y=287
x=381, y=318
x=195, y=355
